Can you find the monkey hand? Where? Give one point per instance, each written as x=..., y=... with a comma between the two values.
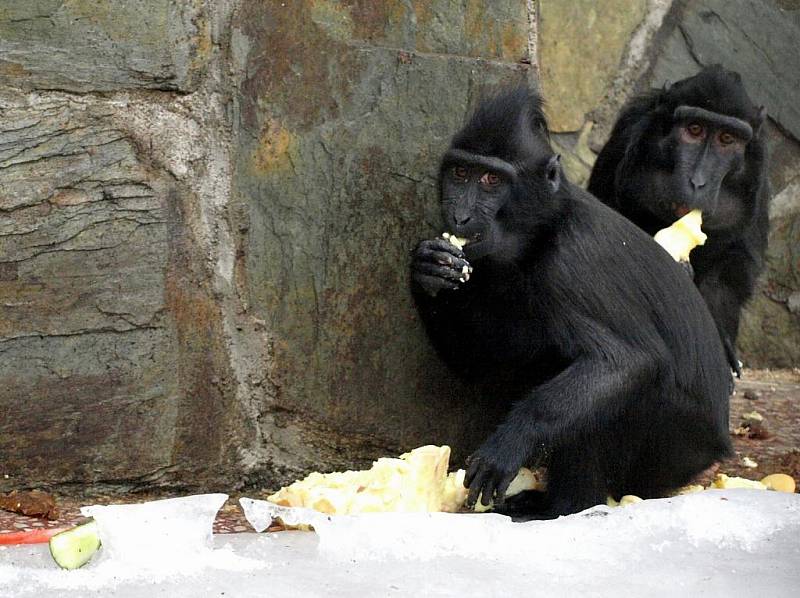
x=438, y=265
x=490, y=470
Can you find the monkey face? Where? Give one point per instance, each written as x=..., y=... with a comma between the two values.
x=474, y=190
x=484, y=202
x=472, y=196
x=702, y=150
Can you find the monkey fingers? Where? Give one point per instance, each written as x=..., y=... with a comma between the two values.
x=447, y=272
x=733, y=359
x=487, y=480
x=430, y=259
x=441, y=246
x=433, y=284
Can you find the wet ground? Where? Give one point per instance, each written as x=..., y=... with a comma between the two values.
x=774, y=394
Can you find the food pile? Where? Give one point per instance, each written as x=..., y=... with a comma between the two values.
x=417, y=481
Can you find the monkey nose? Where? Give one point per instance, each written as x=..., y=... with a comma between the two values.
x=462, y=220
x=698, y=181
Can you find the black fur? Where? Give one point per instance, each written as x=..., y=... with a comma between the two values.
x=602, y=348
x=641, y=172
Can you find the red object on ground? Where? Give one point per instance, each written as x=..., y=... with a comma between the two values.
x=35, y=536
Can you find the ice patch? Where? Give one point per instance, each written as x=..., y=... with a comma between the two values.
x=153, y=541
x=718, y=519
x=142, y=534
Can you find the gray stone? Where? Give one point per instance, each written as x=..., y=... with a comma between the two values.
x=770, y=332
x=102, y=45
x=88, y=365
x=793, y=303
x=336, y=168
x=581, y=44
x=490, y=30
x=759, y=39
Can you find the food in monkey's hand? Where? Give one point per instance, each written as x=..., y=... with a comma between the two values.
x=526, y=480
x=683, y=236
x=459, y=242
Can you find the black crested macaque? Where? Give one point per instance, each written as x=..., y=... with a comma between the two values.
x=614, y=373
x=698, y=144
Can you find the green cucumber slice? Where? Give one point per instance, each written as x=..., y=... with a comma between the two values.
x=75, y=547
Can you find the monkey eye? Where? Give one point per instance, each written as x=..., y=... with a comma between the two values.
x=726, y=138
x=490, y=179
x=695, y=129
x=460, y=173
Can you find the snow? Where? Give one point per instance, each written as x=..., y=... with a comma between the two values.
x=716, y=543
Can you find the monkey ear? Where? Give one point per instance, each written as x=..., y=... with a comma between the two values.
x=554, y=172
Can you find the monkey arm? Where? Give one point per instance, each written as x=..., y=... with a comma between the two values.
x=590, y=391
x=726, y=285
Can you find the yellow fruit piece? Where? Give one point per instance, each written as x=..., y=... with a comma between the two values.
x=683, y=236
x=457, y=241
x=525, y=480
x=725, y=482
x=690, y=489
x=626, y=500
x=415, y=482
x=629, y=499
x=779, y=482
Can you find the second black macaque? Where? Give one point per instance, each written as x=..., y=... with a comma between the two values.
x=603, y=349
x=698, y=144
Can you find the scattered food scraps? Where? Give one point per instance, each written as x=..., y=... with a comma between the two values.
x=753, y=426
x=628, y=499
x=748, y=462
x=75, y=547
x=725, y=482
x=33, y=503
x=779, y=482
x=34, y=536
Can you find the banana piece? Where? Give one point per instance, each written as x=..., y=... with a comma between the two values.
x=727, y=482
x=457, y=241
x=525, y=480
x=779, y=482
x=683, y=236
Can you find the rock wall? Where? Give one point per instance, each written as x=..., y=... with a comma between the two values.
x=207, y=208
x=205, y=221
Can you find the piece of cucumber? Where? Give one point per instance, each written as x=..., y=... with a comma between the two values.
x=75, y=547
